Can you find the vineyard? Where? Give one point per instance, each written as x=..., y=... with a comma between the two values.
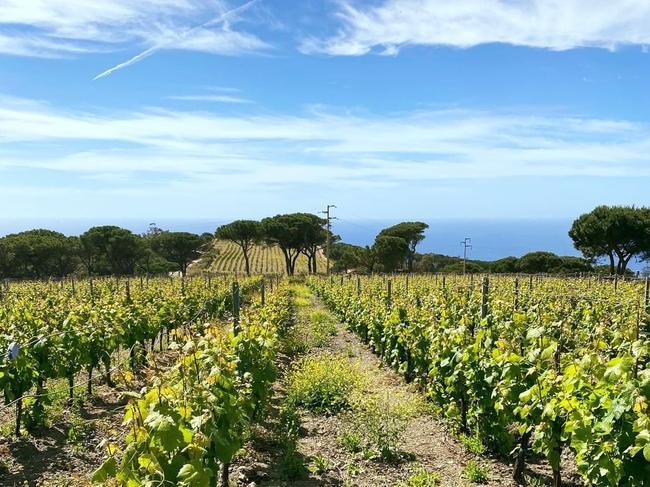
x=544, y=374
x=227, y=257
x=57, y=335
x=554, y=366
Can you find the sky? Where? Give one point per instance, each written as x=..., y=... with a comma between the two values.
x=390, y=109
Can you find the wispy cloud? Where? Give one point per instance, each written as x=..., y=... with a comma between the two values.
x=549, y=24
x=200, y=38
x=211, y=98
x=56, y=28
x=326, y=146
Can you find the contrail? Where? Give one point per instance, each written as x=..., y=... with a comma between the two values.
x=224, y=16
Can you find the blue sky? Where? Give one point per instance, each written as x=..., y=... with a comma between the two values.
x=391, y=109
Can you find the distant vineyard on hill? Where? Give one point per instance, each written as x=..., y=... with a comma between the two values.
x=227, y=257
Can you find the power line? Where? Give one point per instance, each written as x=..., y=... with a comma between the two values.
x=329, y=217
x=467, y=244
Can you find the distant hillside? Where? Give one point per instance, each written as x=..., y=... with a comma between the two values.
x=227, y=257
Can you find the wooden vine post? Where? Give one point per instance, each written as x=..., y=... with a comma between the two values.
x=484, y=297
x=263, y=292
x=516, y=301
x=235, y=307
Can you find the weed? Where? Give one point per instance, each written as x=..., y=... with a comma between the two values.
x=309, y=332
x=324, y=384
x=351, y=441
x=301, y=302
x=472, y=444
x=476, y=473
x=322, y=326
x=79, y=429
x=294, y=342
x=288, y=427
x=409, y=405
x=375, y=427
x=351, y=470
x=535, y=481
x=421, y=478
x=291, y=464
x=287, y=431
x=319, y=465
x=7, y=429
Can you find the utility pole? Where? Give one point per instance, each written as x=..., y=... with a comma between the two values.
x=467, y=244
x=329, y=217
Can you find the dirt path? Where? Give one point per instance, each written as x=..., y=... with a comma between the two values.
x=426, y=443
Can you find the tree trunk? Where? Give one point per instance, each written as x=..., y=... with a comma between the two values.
x=314, y=262
x=246, y=262
x=287, y=261
x=611, y=264
x=293, y=262
x=625, y=262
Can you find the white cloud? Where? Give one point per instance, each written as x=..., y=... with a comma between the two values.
x=340, y=149
x=550, y=24
x=211, y=98
x=54, y=28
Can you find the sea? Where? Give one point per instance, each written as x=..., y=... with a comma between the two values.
x=490, y=239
